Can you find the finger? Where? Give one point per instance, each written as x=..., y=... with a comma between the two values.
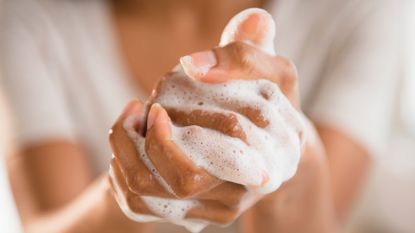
x=171, y=92
x=214, y=212
x=196, y=103
x=180, y=173
x=128, y=199
x=230, y=159
x=224, y=122
x=253, y=26
x=136, y=109
x=227, y=193
x=221, y=156
x=240, y=61
x=245, y=42
x=138, y=177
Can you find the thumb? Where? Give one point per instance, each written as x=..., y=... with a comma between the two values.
x=253, y=26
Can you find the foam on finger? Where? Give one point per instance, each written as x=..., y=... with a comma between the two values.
x=166, y=209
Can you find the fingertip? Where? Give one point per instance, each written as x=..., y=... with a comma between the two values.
x=159, y=120
x=152, y=114
x=132, y=116
x=262, y=181
x=265, y=179
x=198, y=64
x=254, y=26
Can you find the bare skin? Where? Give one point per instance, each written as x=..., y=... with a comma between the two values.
x=85, y=204
x=152, y=45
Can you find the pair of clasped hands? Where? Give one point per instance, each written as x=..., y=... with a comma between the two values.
x=245, y=52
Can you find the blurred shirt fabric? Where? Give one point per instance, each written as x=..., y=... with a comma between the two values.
x=9, y=218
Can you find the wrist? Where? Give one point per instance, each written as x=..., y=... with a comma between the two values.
x=302, y=204
x=260, y=218
x=114, y=219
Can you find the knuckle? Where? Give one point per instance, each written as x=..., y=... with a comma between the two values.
x=183, y=193
x=141, y=183
x=230, y=216
x=269, y=91
x=237, y=48
x=238, y=193
x=135, y=204
x=256, y=115
x=133, y=182
x=111, y=134
x=289, y=70
x=231, y=126
x=114, y=163
x=188, y=186
x=233, y=202
x=243, y=54
x=131, y=201
x=115, y=133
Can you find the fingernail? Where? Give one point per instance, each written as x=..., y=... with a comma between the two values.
x=152, y=115
x=198, y=64
x=156, y=114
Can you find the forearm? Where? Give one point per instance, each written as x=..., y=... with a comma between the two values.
x=348, y=164
x=302, y=204
x=95, y=210
x=283, y=215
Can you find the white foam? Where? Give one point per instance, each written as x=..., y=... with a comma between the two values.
x=168, y=209
x=274, y=150
x=140, y=146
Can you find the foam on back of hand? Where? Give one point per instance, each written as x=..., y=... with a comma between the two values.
x=169, y=210
x=271, y=152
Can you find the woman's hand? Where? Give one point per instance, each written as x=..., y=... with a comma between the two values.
x=218, y=200
x=161, y=165
x=304, y=203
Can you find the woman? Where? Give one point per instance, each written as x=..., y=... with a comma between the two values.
x=70, y=66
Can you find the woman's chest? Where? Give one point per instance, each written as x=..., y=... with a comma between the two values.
x=149, y=53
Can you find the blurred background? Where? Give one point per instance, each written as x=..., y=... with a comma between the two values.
x=9, y=220
x=363, y=213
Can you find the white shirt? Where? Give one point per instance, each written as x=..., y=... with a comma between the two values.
x=64, y=77
x=8, y=215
